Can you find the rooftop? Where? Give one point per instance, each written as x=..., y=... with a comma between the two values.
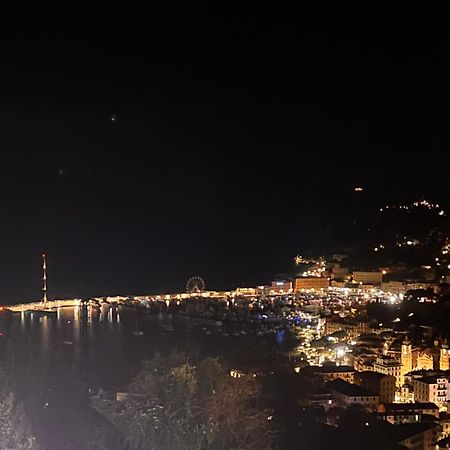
x=349, y=389
x=335, y=369
x=409, y=430
x=401, y=407
x=430, y=380
x=372, y=375
x=387, y=362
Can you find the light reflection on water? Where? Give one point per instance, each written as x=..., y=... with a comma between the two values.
x=107, y=346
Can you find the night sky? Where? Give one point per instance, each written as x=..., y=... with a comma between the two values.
x=141, y=147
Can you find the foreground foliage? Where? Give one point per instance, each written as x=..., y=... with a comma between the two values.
x=15, y=432
x=175, y=405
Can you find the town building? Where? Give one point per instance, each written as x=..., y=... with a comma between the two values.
x=353, y=328
x=415, y=359
x=246, y=291
x=377, y=383
x=414, y=286
x=389, y=366
x=406, y=357
x=281, y=287
x=311, y=283
x=394, y=287
x=424, y=361
x=321, y=399
x=444, y=357
x=431, y=389
x=346, y=394
x=444, y=421
x=405, y=394
x=418, y=436
x=332, y=372
x=374, y=278
x=400, y=410
x=364, y=361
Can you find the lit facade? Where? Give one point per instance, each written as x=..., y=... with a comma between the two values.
x=246, y=291
x=431, y=389
x=281, y=287
x=443, y=358
x=374, y=278
x=352, y=328
x=330, y=373
x=394, y=287
x=389, y=366
x=406, y=359
x=311, y=283
x=424, y=361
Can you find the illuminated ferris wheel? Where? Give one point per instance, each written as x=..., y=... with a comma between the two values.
x=195, y=285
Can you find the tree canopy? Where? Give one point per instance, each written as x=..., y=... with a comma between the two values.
x=174, y=404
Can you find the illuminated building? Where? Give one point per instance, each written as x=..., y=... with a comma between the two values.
x=377, y=383
x=366, y=287
x=374, y=278
x=353, y=328
x=236, y=373
x=281, y=287
x=397, y=413
x=394, y=287
x=311, y=283
x=364, y=362
x=405, y=394
x=443, y=357
x=424, y=361
x=338, y=284
x=406, y=359
x=246, y=291
x=346, y=394
x=431, y=389
x=389, y=366
x=323, y=399
x=415, y=359
x=332, y=372
x=418, y=285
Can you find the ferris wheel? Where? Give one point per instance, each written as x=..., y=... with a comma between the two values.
x=195, y=284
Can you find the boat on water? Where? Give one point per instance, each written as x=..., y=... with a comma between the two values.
x=138, y=333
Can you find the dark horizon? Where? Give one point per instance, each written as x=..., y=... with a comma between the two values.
x=142, y=149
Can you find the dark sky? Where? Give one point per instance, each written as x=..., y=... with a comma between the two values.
x=237, y=139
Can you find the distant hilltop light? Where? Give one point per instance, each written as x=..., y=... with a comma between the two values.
x=358, y=189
